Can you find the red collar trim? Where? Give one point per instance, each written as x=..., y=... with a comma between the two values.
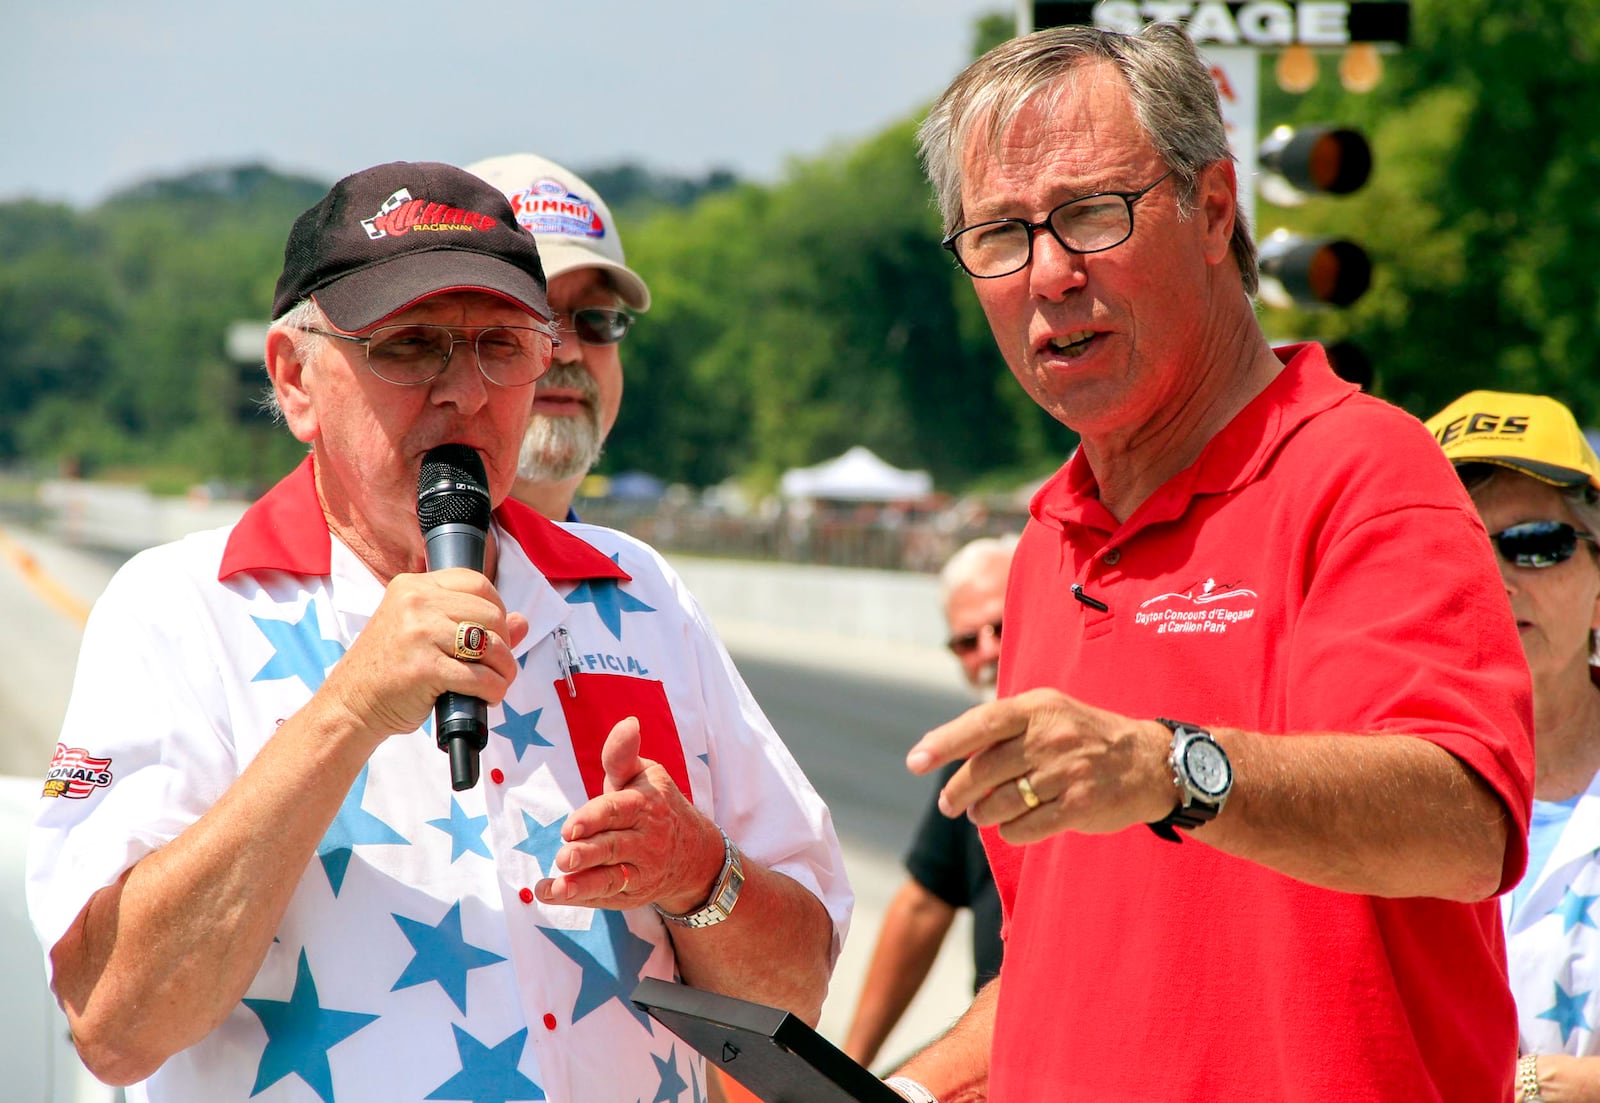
x=1234, y=457
x=284, y=530
x=1304, y=388
x=558, y=554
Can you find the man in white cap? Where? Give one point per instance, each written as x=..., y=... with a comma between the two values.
x=591, y=291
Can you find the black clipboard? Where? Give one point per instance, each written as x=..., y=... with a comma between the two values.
x=768, y=1050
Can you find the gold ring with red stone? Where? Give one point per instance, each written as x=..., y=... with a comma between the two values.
x=472, y=641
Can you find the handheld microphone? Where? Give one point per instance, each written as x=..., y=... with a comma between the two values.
x=453, y=510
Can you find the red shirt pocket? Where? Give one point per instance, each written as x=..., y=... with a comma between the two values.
x=604, y=699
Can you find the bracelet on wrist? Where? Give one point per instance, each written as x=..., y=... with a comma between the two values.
x=1528, y=1079
x=911, y=1090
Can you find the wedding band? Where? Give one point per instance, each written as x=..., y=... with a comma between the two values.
x=472, y=641
x=1029, y=797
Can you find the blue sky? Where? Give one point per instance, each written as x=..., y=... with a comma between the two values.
x=99, y=95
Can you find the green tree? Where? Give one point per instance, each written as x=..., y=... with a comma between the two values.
x=57, y=316
x=815, y=315
x=794, y=320
x=1479, y=215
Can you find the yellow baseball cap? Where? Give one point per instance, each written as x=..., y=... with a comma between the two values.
x=1528, y=433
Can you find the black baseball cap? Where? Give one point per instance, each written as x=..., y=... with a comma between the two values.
x=387, y=237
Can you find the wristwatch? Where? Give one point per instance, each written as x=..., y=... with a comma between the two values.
x=724, y=892
x=1202, y=775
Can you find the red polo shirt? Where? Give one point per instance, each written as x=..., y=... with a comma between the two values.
x=1319, y=568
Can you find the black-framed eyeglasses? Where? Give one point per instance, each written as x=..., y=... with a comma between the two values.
x=410, y=355
x=1538, y=544
x=595, y=325
x=1087, y=224
x=966, y=643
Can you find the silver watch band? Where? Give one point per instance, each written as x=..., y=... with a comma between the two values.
x=724, y=892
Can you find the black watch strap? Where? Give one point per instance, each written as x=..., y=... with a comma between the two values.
x=1187, y=816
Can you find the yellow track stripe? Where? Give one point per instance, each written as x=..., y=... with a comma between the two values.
x=23, y=561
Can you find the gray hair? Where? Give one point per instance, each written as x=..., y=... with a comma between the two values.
x=1172, y=93
x=296, y=322
x=1583, y=502
x=971, y=559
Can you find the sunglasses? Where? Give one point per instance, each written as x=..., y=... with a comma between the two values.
x=1538, y=544
x=595, y=325
x=967, y=643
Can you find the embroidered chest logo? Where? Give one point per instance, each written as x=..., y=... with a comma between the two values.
x=74, y=773
x=1209, y=607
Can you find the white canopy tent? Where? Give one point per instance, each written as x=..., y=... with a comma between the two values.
x=856, y=476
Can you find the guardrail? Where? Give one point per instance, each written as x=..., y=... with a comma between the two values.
x=833, y=578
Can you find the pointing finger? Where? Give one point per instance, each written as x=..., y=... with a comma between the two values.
x=979, y=727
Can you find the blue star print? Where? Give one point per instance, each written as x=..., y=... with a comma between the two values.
x=488, y=1075
x=299, y=650
x=466, y=832
x=1567, y=1012
x=610, y=601
x=543, y=840
x=442, y=955
x=351, y=828
x=1573, y=910
x=522, y=729
x=672, y=1084
x=611, y=958
x=299, y=1035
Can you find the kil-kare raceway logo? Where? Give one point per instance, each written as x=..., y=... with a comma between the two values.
x=1209, y=607
x=547, y=207
x=400, y=214
x=75, y=773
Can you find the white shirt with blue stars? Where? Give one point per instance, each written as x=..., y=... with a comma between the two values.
x=1553, y=940
x=413, y=963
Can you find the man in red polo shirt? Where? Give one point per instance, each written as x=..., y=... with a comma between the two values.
x=1262, y=754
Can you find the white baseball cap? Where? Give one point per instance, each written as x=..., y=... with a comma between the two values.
x=570, y=221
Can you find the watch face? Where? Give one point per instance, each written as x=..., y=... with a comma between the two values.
x=735, y=882
x=1208, y=767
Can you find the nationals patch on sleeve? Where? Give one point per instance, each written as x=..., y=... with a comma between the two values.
x=75, y=773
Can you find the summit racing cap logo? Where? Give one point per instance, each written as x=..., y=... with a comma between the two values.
x=400, y=214
x=74, y=773
x=1191, y=611
x=547, y=207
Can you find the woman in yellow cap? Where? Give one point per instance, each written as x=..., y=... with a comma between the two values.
x=1536, y=483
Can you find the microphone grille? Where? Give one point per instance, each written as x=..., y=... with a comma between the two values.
x=451, y=488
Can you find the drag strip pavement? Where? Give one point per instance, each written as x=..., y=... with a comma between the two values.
x=45, y=593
